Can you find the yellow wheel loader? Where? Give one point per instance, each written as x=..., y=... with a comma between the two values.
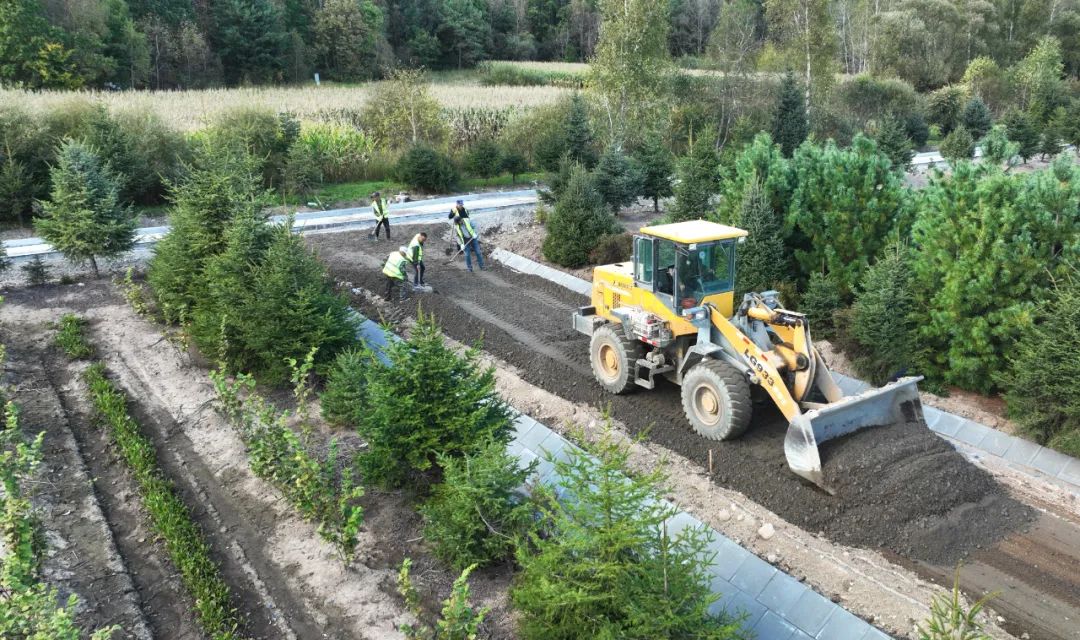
x=671, y=312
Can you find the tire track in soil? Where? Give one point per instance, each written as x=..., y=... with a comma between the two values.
x=902, y=489
x=82, y=557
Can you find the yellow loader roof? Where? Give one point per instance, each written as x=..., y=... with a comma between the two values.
x=694, y=231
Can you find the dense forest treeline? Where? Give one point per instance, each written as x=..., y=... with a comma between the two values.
x=164, y=44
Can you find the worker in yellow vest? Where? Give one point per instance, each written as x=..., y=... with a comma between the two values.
x=382, y=218
x=416, y=257
x=396, y=274
x=469, y=241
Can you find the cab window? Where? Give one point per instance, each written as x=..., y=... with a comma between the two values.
x=705, y=270
x=643, y=260
x=666, y=256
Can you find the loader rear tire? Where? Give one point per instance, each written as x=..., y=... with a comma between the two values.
x=614, y=358
x=716, y=399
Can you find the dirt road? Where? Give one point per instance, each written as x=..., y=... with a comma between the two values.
x=904, y=490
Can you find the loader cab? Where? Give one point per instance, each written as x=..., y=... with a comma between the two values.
x=686, y=264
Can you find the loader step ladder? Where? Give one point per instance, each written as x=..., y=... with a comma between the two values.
x=646, y=371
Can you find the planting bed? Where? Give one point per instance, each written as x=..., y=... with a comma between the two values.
x=286, y=582
x=899, y=489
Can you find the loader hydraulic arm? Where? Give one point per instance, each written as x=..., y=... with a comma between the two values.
x=755, y=361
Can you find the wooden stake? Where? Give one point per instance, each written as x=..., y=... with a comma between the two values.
x=710, y=462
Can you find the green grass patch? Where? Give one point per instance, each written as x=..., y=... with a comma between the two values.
x=505, y=180
x=70, y=337
x=170, y=517
x=334, y=195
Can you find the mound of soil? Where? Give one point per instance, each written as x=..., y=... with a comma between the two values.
x=898, y=488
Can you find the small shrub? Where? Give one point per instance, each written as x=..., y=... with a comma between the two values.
x=428, y=401
x=425, y=169
x=820, y=302
x=474, y=515
x=579, y=221
x=976, y=118
x=612, y=248
x=70, y=337
x=259, y=133
x=37, y=272
x=950, y=619
x=134, y=293
x=343, y=401
x=459, y=620
x=484, y=159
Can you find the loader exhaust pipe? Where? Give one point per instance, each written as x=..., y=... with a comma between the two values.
x=895, y=402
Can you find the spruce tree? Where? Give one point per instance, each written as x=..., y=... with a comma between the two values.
x=883, y=322
x=997, y=148
x=976, y=118
x=892, y=140
x=218, y=185
x=605, y=565
x=427, y=400
x=761, y=260
x=1023, y=132
x=820, y=302
x=698, y=180
x=84, y=219
x=789, y=127
x=617, y=179
x=657, y=166
x=343, y=401
x=291, y=308
x=579, y=137
x=578, y=222
x=1050, y=143
x=1042, y=388
x=958, y=146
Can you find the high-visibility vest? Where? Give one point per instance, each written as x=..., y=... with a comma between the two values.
x=379, y=207
x=416, y=250
x=395, y=266
x=465, y=225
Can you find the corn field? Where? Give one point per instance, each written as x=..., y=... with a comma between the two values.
x=190, y=110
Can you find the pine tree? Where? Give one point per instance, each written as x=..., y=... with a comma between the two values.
x=657, y=166
x=1042, y=388
x=846, y=207
x=789, y=127
x=759, y=162
x=698, y=180
x=986, y=244
x=997, y=148
x=883, y=317
x=617, y=179
x=1050, y=143
x=578, y=222
x=249, y=38
x=84, y=219
x=892, y=140
x=579, y=137
x=761, y=260
x=976, y=118
x=427, y=401
x=1021, y=131
x=958, y=146
x=606, y=565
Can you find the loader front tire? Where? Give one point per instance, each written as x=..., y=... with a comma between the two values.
x=716, y=399
x=614, y=358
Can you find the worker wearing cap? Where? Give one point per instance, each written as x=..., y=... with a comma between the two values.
x=416, y=256
x=459, y=211
x=469, y=241
x=395, y=272
x=378, y=207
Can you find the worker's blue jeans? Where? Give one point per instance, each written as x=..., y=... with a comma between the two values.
x=474, y=247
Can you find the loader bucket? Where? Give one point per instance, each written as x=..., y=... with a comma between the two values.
x=895, y=402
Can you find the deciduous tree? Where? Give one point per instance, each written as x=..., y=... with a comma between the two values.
x=346, y=34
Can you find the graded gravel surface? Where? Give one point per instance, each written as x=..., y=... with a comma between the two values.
x=899, y=488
